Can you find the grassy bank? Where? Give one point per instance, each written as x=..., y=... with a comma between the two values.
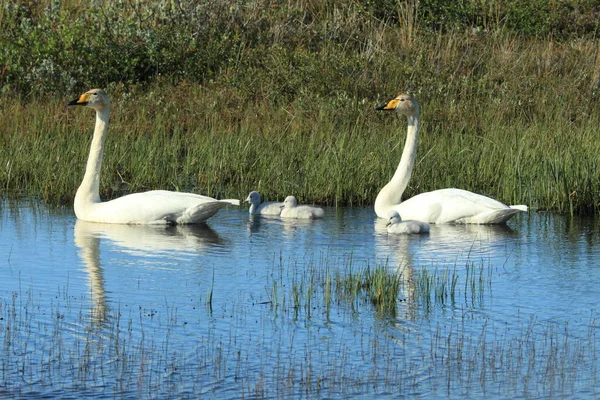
x=342, y=153
x=280, y=99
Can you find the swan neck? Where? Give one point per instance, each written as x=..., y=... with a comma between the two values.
x=409, y=154
x=391, y=194
x=88, y=192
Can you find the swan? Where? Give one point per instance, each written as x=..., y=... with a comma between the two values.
x=438, y=206
x=397, y=225
x=153, y=207
x=291, y=209
x=272, y=208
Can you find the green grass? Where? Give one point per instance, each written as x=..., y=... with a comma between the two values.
x=333, y=154
x=280, y=100
x=327, y=283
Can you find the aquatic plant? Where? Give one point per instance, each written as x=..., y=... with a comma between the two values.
x=58, y=349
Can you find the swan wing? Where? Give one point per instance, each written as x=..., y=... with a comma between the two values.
x=455, y=205
x=200, y=212
x=157, y=207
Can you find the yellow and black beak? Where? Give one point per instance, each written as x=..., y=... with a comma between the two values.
x=389, y=106
x=81, y=101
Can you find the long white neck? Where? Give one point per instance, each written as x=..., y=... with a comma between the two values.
x=89, y=190
x=391, y=194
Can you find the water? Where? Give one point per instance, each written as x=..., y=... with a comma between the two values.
x=240, y=308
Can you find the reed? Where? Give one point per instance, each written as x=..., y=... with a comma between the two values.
x=383, y=289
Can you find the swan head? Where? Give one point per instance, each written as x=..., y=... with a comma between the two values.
x=393, y=218
x=95, y=98
x=290, y=202
x=253, y=198
x=404, y=104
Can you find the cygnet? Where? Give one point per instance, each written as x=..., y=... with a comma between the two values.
x=291, y=209
x=256, y=208
x=396, y=225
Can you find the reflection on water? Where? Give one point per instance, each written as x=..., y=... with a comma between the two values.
x=444, y=243
x=475, y=240
x=89, y=244
x=150, y=240
x=152, y=285
x=455, y=245
x=139, y=241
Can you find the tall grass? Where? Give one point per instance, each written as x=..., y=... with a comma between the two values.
x=329, y=153
x=282, y=102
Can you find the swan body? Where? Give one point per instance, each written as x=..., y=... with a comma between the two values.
x=256, y=208
x=397, y=225
x=291, y=209
x=438, y=206
x=153, y=207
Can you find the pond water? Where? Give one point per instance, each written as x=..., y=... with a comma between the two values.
x=256, y=307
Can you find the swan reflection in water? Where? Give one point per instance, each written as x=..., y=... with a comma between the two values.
x=461, y=243
x=136, y=240
x=293, y=227
x=257, y=222
x=447, y=242
x=290, y=226
x=446, y=245
x=398, y=251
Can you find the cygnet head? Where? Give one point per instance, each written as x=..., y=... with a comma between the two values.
x=393, y=218
x=290, y=202
x=404, y=104
x=253, y=198
x=95, y=98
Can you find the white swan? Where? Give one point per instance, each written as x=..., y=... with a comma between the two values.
x=154, y=207
x=439, y=206
x=256, y=208
x=397, y=225
x=291, y=209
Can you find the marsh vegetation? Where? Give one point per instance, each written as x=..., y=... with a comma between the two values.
x=220, y=98
x=224, y=98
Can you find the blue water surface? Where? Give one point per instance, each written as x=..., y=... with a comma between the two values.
x=248, y=307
